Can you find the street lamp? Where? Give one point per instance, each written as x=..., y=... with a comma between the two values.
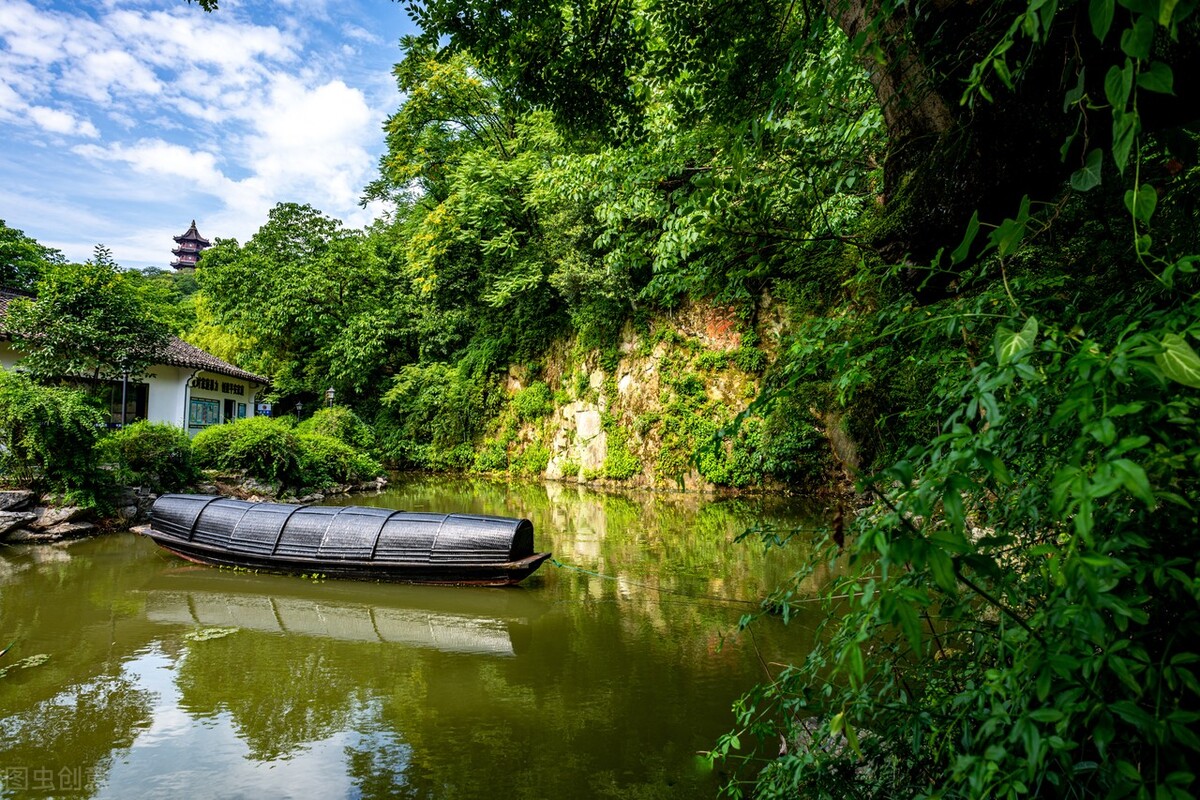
x=299, y=406
x=329, y=396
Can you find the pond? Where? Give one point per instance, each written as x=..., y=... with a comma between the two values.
x=603, y=677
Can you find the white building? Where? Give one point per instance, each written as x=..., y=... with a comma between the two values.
x=186, y=387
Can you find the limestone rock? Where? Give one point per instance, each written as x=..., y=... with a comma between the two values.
x=11, y=520
x=71, y=530
x=51, y=517
x=15, y=499
x=587, y=424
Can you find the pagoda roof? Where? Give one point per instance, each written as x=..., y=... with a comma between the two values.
x=176, y=352
x=192, y=235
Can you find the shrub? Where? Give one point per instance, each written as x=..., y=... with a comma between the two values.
x=152, y=454
x=619, y=463
x=492, y=458
x=261, y=447
x=433, y=409
x=47, y=435
x=325, y=461
x=533, y=460
x=533, y=402
x=342, y=424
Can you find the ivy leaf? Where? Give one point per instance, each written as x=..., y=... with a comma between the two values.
x=1179, y=361
x=1008, y=344
x=1141, y=203
x=1118, y=83
x=1136, y=41
x=1125, y=127
x=1101, y=13
x=1088, y=176
x=1158, y=78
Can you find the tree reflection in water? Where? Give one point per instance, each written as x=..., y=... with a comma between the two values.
x=573, y=685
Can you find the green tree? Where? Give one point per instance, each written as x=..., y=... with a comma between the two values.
x=303, y=301
x=88, y=321
x=23, y=260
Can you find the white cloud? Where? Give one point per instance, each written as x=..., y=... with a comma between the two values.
x=217, y=116
x=54, y=120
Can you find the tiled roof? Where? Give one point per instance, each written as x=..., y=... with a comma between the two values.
x=193, y=235
x=176, y=353
x=179, y=353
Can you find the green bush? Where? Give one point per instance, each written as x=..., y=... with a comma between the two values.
x=325, y=461
x=262, y=447
x=47, y=435
x=533, y=460
x=153, y=454
x=619, y=463
x=431, y=411
x=492, y=458
x=533, y=402
x=342, y=424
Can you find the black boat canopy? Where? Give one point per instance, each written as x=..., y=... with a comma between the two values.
x=352, y=533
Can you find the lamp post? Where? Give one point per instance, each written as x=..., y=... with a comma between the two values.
x=329, y=396
x=299, y=406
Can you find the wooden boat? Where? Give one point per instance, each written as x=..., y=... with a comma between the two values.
x=356, y=542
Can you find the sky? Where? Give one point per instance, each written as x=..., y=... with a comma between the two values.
x=121, y=121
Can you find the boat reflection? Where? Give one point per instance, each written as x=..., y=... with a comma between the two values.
x=496, y=622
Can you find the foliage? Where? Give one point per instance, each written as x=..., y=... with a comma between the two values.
x=88, y=321
x=305, y=301
x=492, y=456
x=151, y=454
x=46, y=438
x=262, y=447
x=325, y=461
x=433, y=409
x=272, y=450
x=619, y=464
x=342, y=424
x=532, y=461
x=23, y=260
x=533, y=402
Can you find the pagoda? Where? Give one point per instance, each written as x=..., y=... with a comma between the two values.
x=188, y=251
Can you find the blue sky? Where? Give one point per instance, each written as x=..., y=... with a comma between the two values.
x=123, y=120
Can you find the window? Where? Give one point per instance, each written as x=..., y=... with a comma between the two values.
x=204, y=411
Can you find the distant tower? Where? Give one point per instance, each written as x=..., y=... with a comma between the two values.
x=188, y=251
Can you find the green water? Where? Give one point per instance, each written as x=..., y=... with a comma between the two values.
x=571, y=685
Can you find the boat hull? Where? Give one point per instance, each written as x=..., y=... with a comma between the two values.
x=349, y=543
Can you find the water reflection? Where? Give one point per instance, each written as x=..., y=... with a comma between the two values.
x=453, y=619
x=599, y=680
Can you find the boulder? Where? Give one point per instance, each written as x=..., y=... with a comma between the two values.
x=11, y=520
x=15, y=499
x=50, y=517
x=71, y=530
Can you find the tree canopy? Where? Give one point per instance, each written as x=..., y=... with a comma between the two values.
x=87, y=321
